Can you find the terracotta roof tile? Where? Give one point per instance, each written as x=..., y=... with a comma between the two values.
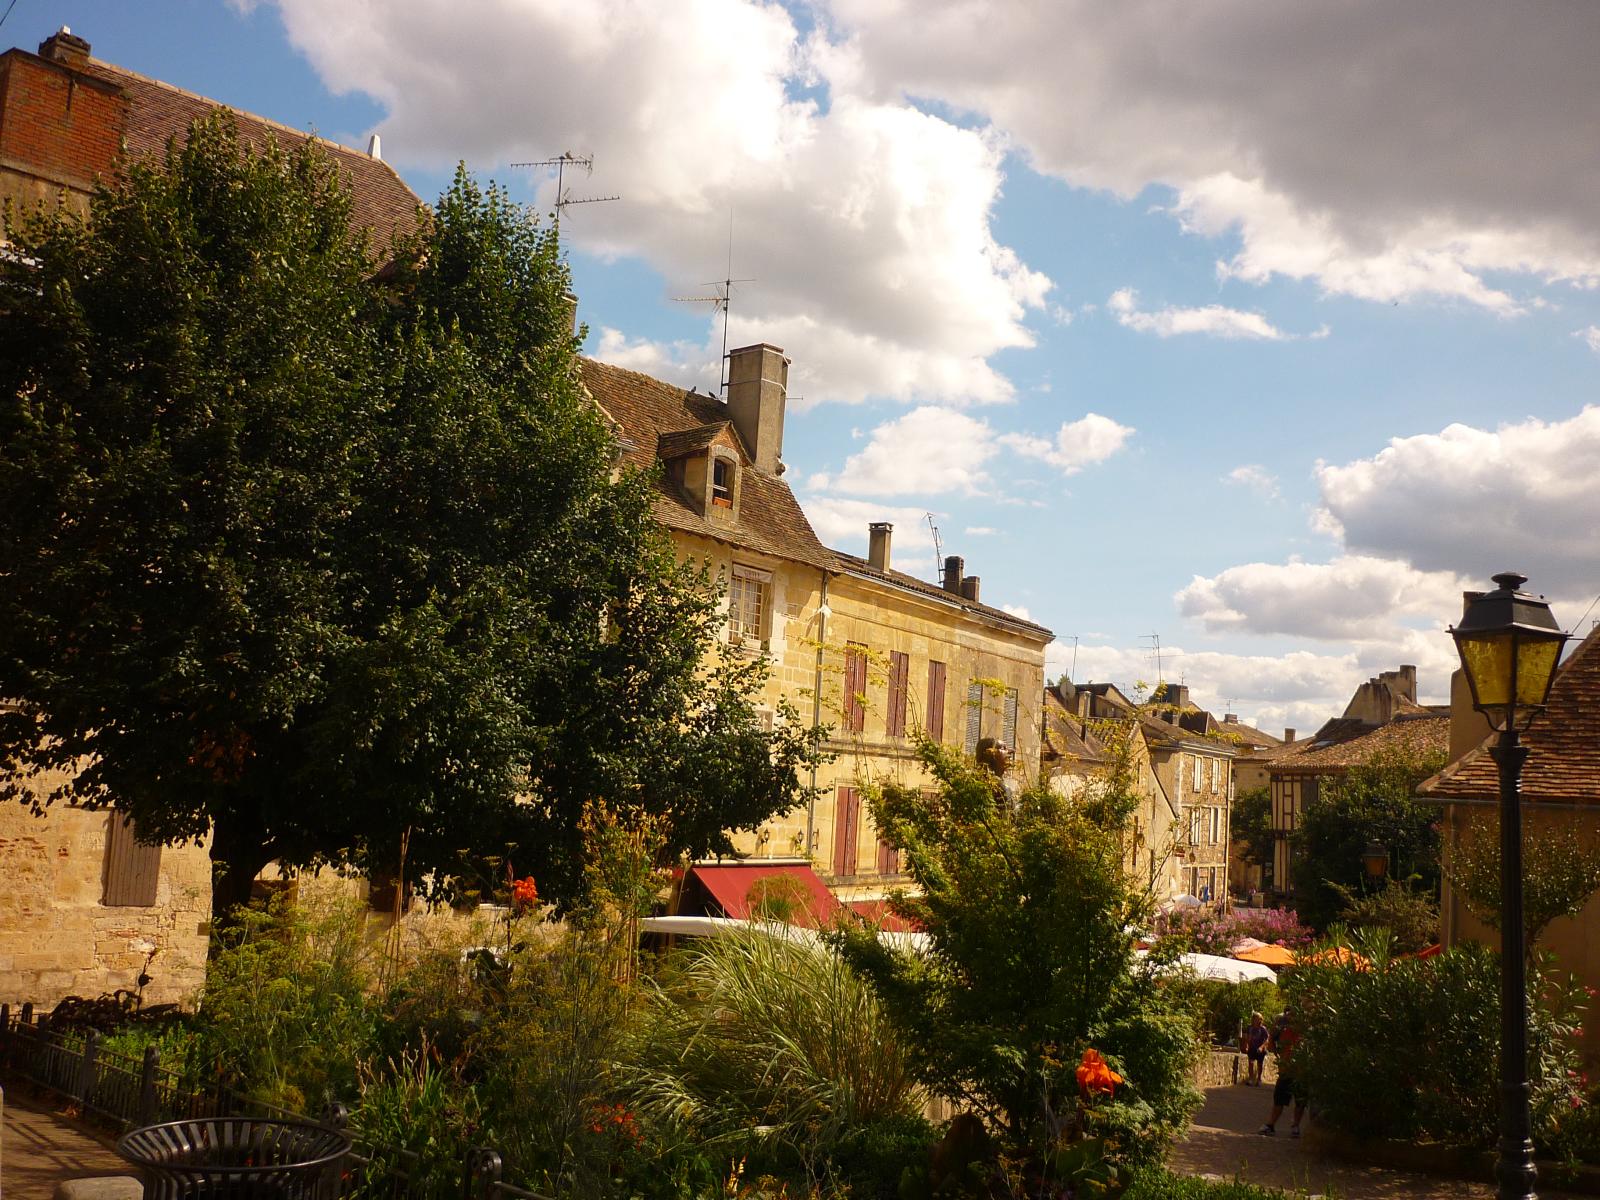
x=648, y=410
x=1563, y=744
x=688, y=441
x=1344, y=743
x=1069, y=744
x=158, y=111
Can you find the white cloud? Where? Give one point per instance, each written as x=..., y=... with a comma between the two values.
x=1088, y=440
x=1472, y=502
x=1349, y=599
x=1590, y=336
x=842, y=522
x=1213, y=320
x=683, y=363
x=1443, y=162
x=1255, y=477
x=694, y=110
x=929, y=450
x=981, y=530
x=1017, y=610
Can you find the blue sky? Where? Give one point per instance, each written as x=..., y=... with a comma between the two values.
x=1262, y=331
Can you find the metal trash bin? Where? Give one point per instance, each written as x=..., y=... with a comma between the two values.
x=237, y=1157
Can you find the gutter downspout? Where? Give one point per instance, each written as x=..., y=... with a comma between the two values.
x=816, y=711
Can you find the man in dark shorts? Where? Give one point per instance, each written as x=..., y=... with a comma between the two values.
x=1284, y=1039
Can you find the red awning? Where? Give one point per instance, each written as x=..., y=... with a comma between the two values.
x=877, y=912
x=736, y=887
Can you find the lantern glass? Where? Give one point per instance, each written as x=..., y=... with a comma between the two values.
x=1509, y=645
x=1376, y=860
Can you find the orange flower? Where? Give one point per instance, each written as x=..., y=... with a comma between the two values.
x=524, y=894
x=1095, y=1075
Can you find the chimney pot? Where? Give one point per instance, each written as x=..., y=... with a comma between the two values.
x=375, y=147
x=758, y=388
x=65, y=47
x=1230, y=718
x=571, y=301
x=879, y=536
x=952, y=573
x=969, y=588
x=1288, y=734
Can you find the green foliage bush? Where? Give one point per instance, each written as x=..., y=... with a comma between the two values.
x=1408, y=1049
x=769, y=1045
x=1027, y=909
x=1162, y=1185
x=416, y=1115
x=1220, y=1009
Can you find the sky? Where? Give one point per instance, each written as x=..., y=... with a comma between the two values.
x=1255, y=333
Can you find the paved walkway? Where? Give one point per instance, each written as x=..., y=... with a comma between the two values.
x=40, y=1148
x=1223, y=1143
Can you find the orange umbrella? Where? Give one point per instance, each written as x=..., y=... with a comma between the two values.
x=1267, y=956
x=1341, y=955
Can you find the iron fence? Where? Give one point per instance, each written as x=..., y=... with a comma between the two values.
x=126, y=1093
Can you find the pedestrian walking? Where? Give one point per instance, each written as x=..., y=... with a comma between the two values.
x=1285, y=1037
x=1256, y=1037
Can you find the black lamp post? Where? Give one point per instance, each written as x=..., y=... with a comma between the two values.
x=1375, y=858
x=1509, y=645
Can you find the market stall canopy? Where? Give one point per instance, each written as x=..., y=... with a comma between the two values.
x=789, y=892
x=1266, y=955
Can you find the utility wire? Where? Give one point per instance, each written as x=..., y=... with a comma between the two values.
x=7, y=13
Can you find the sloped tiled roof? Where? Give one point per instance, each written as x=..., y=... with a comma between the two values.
x=646, y=409
x=1248, y=736
x=1563, y=744
x=1159, y=730
x=860, y=566
x=689, y=441
x=1068, y=744
x=158, y=112
x=1344, y=743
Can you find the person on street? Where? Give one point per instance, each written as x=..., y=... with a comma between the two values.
x=1256, y=1037
x=1284, y=1039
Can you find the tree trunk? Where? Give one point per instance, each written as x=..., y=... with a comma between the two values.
x=238, y=852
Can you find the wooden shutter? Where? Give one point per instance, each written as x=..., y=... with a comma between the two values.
x=974, y=716
x=888, y=859
x=1008, y=724
x=132, y=867
x=846, y=830
x=899, y=679
x=855, y=687
x=936, y=701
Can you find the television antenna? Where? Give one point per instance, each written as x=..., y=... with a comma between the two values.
x=1155, y=648
x=564, y=195
x=720, y=301
x=938, y=546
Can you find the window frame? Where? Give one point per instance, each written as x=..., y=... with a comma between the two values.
x=741, y=579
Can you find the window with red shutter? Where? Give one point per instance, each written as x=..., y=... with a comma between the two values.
x=855, y=687
x=935, y=720
x=899, y=681
x=846, y=830
x=888, y=859
x=133, y=868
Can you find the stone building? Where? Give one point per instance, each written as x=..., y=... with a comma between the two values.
x=85, y=907
x=1560, y=793
x=1383, y=717
x=855, y=644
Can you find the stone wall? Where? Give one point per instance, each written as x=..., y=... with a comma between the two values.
x=57, y=939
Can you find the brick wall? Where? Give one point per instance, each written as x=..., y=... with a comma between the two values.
x=58, y=127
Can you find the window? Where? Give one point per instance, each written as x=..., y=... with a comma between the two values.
x=1008, y=722
x=132, y=867
x=846, y=830
x=855, y=687
x=1198, y=766
x=936, y=701
x=1216, y=826
x=899, y=677
x=749, y=601
x=721, y=483
x=974, y=717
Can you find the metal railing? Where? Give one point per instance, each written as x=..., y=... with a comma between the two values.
x=126, y=1093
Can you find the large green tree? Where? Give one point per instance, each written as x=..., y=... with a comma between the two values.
x=337, y=561
x=1372, y=802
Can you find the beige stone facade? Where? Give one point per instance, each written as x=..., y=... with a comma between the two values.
x=57, y=936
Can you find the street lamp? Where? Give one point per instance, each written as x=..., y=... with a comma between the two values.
x=1509, y=645
x=1376, y=859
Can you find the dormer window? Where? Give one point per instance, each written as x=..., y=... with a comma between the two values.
x=722, y=482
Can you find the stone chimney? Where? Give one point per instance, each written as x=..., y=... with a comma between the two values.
x=969, y=588
x=879, y=534
x=1176, y=695
x=375, y=147
x=952, y=573
x=1230, y=718
x=758, y=385
x=66, y=48
x=1288, y=735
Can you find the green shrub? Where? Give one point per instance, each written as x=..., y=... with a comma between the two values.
x=287, y=1015
x=416, y=1115
x=758, y=1044
x=1408, y=1049
x=1162, y=1185
x=1228, y=1006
